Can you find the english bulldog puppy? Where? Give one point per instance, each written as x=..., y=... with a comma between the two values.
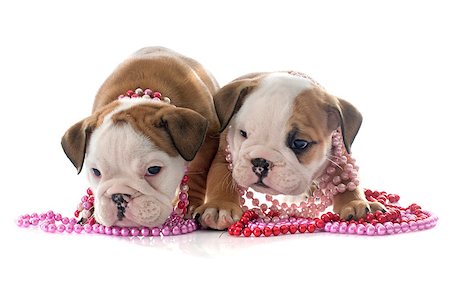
x=278, y=127
x=135, y=149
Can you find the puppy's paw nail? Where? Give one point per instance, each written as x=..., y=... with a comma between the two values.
x=350, y=217
x=383, y=210
x=196, y=216
x=367, y=210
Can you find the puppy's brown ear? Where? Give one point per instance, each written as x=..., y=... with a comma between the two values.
x=342, y=113
x=230, y=98
x=75, y=140
x=187, y=129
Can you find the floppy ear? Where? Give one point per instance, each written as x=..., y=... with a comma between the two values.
x=342, y=113
x=75, y=140
x=230, y=98
x=187, y=130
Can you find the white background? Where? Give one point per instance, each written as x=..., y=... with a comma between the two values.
x=389, y=58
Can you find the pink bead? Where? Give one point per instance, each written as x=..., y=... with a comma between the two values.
x=404, y=226
x=77, y=228
x=34, y=221
x=351, y=186
x=87, y=205
x=412, y=225
x=19, y=222
x=61, y=228
x=351, y=228
x=135, y=231
x=334, y=228
x=69, y=228
x=184, y=229
x=108, y=230
x=343, y=228
x=73, y=221
x=124, y=231
x=336, y=180
x=370, y=229
x=51, y=228
x=381, y=229
x=116, y=231
x=87, y=228
x=101, y=229
x=389, y=227
x=58, y=217
x=341, y=188
x=145, y=231
x=397, y=227
x=361, y=229
x=84, y=198
x=50, y=214
x=148, y=92
x=65, y=220
x=176, y=230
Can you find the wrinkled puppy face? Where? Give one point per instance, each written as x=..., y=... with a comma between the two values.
x=136, y=155
x=133, y=180
x=280, y=137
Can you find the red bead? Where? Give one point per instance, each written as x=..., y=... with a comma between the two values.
x=156, y=95
x=185, y=179
x=257, y=232
x=302, y=228
x=325, y=217
x=130, y=92
x=244, y=220
x=247, y=232
x=378, y=213
x=267, y=231
x=370, y=216
x=237, y=231
x=382, y=218
x=362, y=221
x=239, y=224
x=276, y=230
x=284, y=229
x=76, y=213
x=89, y=192
x=320, y=223
x=311, y=228
x=292, y=229
x=231, y=230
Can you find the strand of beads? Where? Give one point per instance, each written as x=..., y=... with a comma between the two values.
x=146, y=94
x=395, y=220
x=84, y=220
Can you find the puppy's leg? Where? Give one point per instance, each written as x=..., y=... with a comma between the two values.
x=222, y=200
x=198, y=172
x=353, y=205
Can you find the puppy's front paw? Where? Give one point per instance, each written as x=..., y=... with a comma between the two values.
x=357, y=209
x=218, y=215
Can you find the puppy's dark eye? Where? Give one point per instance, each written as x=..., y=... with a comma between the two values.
x=243, y=133
x=299, y=145
x=96, y=172
x=152, y=171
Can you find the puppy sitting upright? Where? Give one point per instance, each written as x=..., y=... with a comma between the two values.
x=278, y=127
x=136, y=148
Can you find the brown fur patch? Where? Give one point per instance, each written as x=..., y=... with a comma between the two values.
x=309, y=121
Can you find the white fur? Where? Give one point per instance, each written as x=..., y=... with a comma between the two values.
x=264, y=116
x=123, y=156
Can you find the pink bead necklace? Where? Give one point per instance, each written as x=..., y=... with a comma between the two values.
x=84, y=221
x=341, y=174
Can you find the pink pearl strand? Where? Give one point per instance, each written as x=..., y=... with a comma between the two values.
x=56, y=223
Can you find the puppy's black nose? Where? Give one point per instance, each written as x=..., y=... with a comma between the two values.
x=260, y=167
x=121, y=203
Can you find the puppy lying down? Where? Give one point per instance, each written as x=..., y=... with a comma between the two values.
x=135, y=150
